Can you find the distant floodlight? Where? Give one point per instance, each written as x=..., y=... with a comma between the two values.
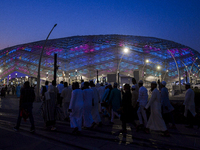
x=147, y=61
x=158, y=67
x=167, y=70
x=76, y=70
x=126, y=50
x=197, y=58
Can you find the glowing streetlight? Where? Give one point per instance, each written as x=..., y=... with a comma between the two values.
x=126, y=50
x=158, y=67
x=147, y=61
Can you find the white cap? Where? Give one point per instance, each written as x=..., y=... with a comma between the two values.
x=163, y=83
x=153, y=82
x=140, y=81
x=133, y=87
x=187, y=83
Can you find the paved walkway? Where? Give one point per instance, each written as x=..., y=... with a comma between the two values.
x=105, y=137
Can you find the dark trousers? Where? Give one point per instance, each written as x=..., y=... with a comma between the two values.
x=168, y=117
x=190, y=118
x=29, y=107
x=131, y=124
x=59, y=99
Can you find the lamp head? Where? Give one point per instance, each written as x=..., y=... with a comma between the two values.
x=126, y=50
x=147, y=61
x=158, y=67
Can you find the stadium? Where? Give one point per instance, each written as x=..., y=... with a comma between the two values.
x=79, y=57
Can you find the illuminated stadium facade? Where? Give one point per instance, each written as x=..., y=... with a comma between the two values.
x=87, y=54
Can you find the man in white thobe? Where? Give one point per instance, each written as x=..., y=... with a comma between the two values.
x=76, y=108
x=156, y=121
x=66, y=97
x=142, y=100
x=95, y=109
x=101, y=91
x=88, y=99
x=189, y=106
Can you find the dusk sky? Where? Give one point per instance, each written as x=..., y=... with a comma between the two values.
x=24, y=21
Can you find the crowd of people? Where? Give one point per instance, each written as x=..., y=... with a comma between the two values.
x=85, y=104
x=10, y=89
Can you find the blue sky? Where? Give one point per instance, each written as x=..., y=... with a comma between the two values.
x=23, y=21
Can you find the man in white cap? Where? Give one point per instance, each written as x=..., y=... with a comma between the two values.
x=166, y=106
x=156, y=121
x=189, y=105
x=142, y=100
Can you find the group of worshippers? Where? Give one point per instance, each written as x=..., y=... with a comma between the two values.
x=82, y=105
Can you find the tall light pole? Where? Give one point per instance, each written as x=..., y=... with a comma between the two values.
x=38, y=77
x=158, y=68
x=186, y=69
x=165, y=74
x=146, y=61
x=124, y=52
x=192, y=67
x=177, y=70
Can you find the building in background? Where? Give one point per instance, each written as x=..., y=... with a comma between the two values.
x=79, y=57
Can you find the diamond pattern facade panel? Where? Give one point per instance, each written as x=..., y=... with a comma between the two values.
x=86, y=54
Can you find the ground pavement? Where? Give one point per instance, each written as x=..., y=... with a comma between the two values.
x=105, y=137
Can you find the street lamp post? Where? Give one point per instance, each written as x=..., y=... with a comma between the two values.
x=69, y=78
x=125, y=51
x=165, y=74
x=76, y=74
x=177, y=70
x=146, y=61
x=38, y=77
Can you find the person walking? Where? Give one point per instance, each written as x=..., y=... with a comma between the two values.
x=142, y=100
x=155, y=121
x=49, y=106
x=115, y=102
x=95, y=109
x=167, y=108
x=135, y=84
x=60, y=88
x=18, y=88
x=26, y=105
x=66, y=97
x=76, y=108
x=88, y=103
x=126, y=109
x=101, y=91
x=190, y=112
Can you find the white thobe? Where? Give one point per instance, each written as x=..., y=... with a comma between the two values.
x=88, y=95
x=142, y=99
x=189, y=102
x=101, y=91
x=155, y=121
x=95, y=109
x=66, y=95
x=76, y=104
